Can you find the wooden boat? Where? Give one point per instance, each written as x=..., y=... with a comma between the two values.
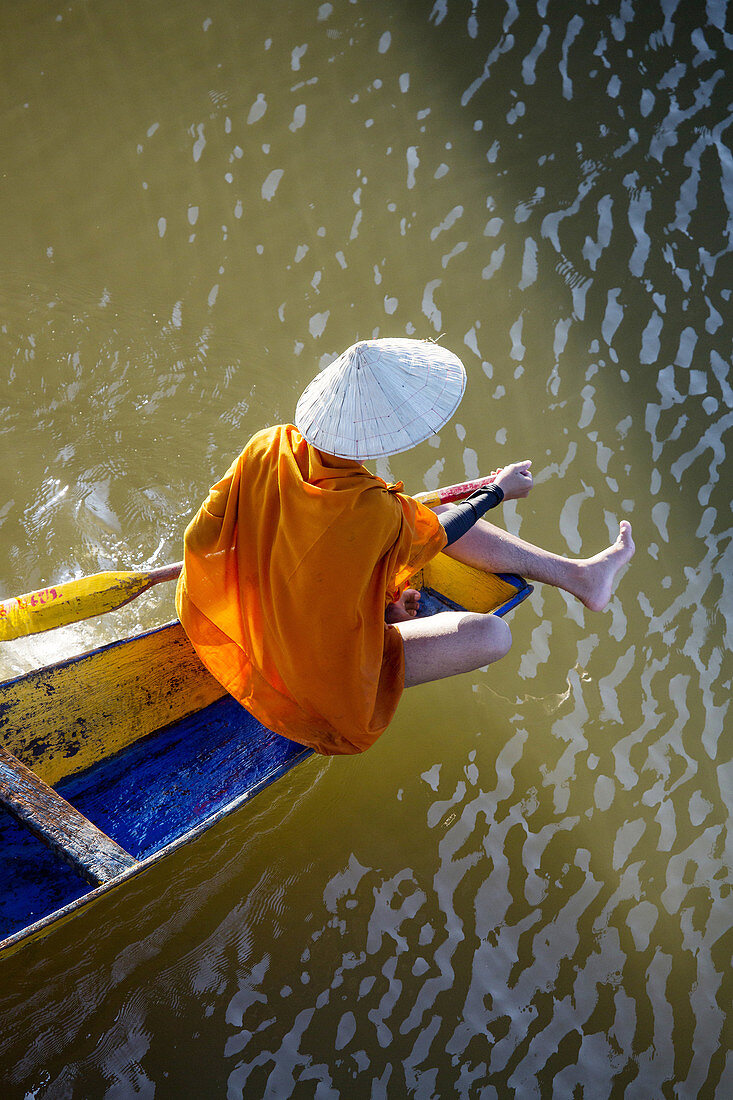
x=133, y=750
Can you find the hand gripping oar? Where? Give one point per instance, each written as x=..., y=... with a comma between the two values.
x=73, y=601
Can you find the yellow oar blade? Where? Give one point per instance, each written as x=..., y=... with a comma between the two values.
x=73, y=601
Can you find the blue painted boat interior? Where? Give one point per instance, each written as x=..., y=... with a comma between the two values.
x=144, y=797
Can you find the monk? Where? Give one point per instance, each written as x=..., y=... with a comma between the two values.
x=295, y=589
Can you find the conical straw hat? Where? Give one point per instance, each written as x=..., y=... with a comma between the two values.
x=381, y=397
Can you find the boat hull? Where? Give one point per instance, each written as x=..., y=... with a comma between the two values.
x=144, y=742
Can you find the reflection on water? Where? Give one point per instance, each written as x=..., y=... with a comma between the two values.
x=523, y=889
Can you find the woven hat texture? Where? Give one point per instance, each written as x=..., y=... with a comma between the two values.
x=381, y=397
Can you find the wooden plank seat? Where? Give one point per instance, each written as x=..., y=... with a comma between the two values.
x=92, y=854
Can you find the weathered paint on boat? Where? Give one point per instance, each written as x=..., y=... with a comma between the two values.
x=142, y=740
x=63, y=718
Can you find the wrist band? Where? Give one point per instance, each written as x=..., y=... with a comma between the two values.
x=460, y=518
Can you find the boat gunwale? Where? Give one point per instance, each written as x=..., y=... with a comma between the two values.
x=66, y=662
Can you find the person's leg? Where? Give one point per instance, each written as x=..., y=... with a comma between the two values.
x=451, y=642
x=590, y=579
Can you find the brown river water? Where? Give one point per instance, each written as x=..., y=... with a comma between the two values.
x=523, y=890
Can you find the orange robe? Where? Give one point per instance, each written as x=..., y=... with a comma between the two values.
x=288, y=567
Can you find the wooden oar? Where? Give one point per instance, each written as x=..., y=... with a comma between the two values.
x=452, y=493
x=73, y=601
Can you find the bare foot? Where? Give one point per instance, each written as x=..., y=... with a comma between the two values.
x=403, y=609
x=599, y=572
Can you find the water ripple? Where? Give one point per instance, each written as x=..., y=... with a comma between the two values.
x=524, y=889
